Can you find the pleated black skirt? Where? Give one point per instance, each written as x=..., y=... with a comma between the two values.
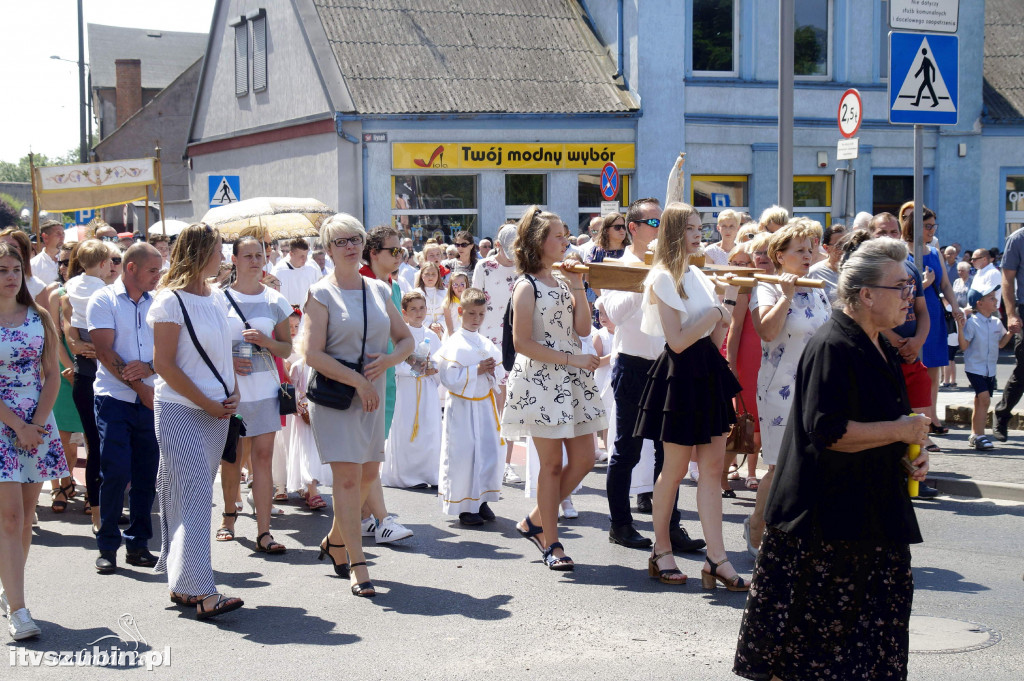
x=688, y=398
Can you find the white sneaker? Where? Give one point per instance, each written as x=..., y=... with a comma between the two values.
x=567, y=510
x=274, y=510
x=602, y=456
x=389, y=530
x=510, y=475
x=694, y=473
x=369, y=526
x=22, y=626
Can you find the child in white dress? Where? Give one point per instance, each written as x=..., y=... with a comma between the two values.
x=428, y=280
x=413, y=448
x=472, y=451
x=457, y=283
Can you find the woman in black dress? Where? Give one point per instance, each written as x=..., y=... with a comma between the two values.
x=832, y=588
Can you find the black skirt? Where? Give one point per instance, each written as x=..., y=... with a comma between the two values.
x=688, y=397
x=826, y=610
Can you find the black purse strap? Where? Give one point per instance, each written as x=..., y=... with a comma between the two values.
x=199, y=348
x=241, y=316
x=362, y=351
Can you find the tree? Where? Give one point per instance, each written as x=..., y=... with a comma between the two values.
x=9, y=216
x=19, y=172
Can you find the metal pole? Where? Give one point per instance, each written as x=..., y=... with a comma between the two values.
x=787, y=27
x=160, y=193
x=83, y=153
x=851, y=193
x=918, y=194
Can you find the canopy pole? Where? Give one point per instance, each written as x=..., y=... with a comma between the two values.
x=145, y=233
x=160, y=191
x=35, y=197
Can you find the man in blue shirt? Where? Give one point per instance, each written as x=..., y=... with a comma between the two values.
x=124, y=406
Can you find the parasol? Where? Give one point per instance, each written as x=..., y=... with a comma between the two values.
x=285, y=218
x=174, y=228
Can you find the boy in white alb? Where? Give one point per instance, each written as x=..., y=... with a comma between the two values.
x=472, y=451
x=413, y=447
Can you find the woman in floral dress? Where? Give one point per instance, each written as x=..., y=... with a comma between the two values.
x=551, y=395
x=30, y=448
x=785, y=318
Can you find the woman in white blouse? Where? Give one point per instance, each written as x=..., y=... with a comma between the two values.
x=192, y=411
x=687, y=403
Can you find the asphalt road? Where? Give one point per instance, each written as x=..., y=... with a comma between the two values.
x=456, y=603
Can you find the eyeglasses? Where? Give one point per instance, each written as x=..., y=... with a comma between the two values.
x=980, y=257
x=619, y=226
x=653, y=222
x=343, y=241
x=462, y=245
x=906, y=291
x=116, y=261
x=268, y=245
x=395, y=252
x=112, y=239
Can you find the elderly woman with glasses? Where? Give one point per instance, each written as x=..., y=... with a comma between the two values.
x=832, y=588
x=350, y=319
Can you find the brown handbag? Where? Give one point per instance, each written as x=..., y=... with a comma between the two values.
x=741, y=435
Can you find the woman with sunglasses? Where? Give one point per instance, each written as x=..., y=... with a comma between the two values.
x=934, y=352
x=64, y=411
x=610, y=242
x=338, y=309
x=467, y=256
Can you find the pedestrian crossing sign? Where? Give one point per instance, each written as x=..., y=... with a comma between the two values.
x=923, y=78
x=224, y=189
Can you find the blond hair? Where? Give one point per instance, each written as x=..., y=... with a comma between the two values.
x=90, y=253
x=670, y=253
x=192, y=250
x=728, y=214
x=773, y=214
x=781, y=240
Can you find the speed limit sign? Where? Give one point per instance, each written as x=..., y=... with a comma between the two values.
x=850, y=113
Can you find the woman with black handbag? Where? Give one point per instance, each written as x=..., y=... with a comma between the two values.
x=258, y=319
x=350, y=319
x=194, y=408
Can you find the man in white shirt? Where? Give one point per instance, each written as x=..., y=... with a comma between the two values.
x=988, y=274
x=44, y=265
x=295, y=273
x=636, y=352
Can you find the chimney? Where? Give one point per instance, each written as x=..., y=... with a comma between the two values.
x=128, y=97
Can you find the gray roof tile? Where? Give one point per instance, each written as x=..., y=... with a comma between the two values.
x=163, y=58
x=472, y=56
x=1003, y=90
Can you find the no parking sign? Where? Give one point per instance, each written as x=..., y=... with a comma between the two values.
x=609, y=182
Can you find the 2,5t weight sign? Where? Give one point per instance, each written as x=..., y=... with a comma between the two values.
x=850, y=113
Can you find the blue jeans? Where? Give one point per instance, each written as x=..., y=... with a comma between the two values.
x=128, y=453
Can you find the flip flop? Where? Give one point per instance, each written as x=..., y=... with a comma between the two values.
x=226, y=533
x=224, y=604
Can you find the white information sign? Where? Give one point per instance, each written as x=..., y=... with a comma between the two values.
x=609, y=207
x=847, y=149
x=934, y=16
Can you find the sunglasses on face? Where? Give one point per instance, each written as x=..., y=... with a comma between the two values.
x=113, y=239
x=979, y=257
x=343, y=241
x=619, y=226
x=462, y=245
x=395, y=252
x=653, y=222
x=116, y=261
x=63, y=263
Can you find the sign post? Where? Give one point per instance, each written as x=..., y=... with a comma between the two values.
x=849, y=116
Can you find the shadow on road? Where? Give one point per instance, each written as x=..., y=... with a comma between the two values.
x=973, y=508
x=939, y=579
x=413, y=599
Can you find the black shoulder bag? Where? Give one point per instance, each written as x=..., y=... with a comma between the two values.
x=328, y=392
x=286, y=392
x=508, y=348
x=236, y=426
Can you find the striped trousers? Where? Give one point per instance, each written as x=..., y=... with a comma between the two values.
x=191, y=443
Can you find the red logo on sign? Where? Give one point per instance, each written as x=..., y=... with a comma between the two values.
x=429, y=164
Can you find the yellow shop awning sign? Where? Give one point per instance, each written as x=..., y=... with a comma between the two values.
x=485, y=156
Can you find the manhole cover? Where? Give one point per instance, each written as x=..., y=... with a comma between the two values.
x=944, y=635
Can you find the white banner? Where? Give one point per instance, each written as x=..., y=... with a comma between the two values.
x=136, y=171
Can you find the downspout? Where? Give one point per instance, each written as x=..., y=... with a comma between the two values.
x=621, y=58
x=365, y=162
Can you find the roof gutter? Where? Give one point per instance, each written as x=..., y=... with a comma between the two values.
x=339, y=116
x=352, y=139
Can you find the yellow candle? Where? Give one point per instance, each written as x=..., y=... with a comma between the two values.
x=912, y=485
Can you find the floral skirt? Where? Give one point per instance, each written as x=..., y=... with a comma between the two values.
x=826, y=610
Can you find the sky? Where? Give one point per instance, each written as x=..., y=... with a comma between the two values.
x=39, y=113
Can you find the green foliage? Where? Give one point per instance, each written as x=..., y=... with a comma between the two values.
x=19, y=172
x=9, y=215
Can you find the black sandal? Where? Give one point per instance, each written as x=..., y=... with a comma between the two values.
x=58, y=505
x=185, y=599
x=563, y=564
x=340, y=569
x=663, y=575
x=728, y=494
x=272, y=546
x=227, y=533
x=531, y=532
x=363, y=589
x=224, y=604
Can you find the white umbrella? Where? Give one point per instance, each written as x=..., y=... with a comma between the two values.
x=283, y=217
x=174, y=227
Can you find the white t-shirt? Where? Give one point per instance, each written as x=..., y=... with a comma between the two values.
x=44, y=267
x=263, y=311
x=79, y=290
x=716, y=254
x=295, y=281
x=700, y=297
x=209, y=315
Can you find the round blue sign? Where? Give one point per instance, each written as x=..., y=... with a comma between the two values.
x=609, y=182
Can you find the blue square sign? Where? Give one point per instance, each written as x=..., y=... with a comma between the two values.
x=924, y=78
x=224, y=189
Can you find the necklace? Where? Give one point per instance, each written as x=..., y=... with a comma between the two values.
x=12, y=321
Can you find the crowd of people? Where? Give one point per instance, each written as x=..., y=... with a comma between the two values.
x=354, y=362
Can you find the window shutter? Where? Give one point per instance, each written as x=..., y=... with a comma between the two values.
x=259, y=54
x=241, y=60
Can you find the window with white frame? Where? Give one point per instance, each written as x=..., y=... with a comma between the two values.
x=812, y=40
x=715, y=42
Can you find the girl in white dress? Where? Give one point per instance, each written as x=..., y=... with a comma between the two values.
x=551, y=392
x=457, y=283
x=428, y=280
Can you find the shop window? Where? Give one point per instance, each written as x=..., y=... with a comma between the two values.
x=715, y=38
x=812, y=198
x=889, y=192
x=711, y=194
x=423, y=205
x=589, y=199
x=524, y=190
x=812, y=39
x=1014, y=203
